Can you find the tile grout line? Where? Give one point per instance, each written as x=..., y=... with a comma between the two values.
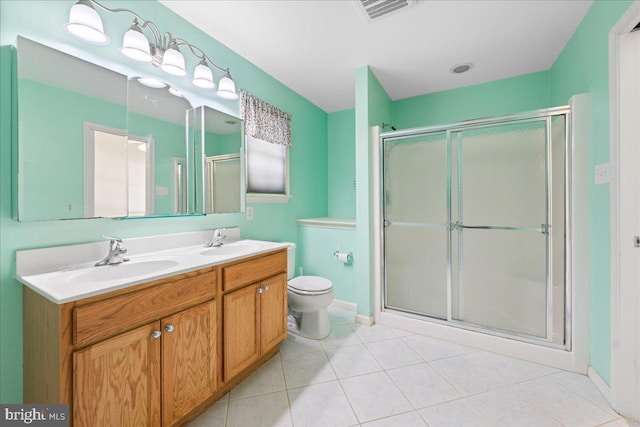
x=519, y=395
x=286, y=388
x=342, y=387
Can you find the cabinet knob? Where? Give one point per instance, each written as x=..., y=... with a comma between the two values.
x=156, y=334
x=266, y=288
x=169, y=328
x=259, y=290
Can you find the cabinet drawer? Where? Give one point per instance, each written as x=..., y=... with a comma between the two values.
x=103, y=319
x=244, y=273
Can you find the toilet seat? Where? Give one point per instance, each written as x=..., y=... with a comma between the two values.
x=310, y=285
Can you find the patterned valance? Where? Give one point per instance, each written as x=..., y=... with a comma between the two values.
x=264, y=121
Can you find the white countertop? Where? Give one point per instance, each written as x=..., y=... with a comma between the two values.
x=62, y=274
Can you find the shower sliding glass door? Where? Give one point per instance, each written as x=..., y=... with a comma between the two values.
x=416, y=218
x=474, y=220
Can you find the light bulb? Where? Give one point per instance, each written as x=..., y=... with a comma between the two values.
x=85, y=23
x=173, y=62
x=175, y=92
x=227, y=88
x=151, y=82
x=202, y=76
x=135, y=45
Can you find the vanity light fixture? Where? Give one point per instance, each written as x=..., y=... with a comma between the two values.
x=163, y=52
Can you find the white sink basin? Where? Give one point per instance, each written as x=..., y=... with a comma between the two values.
x=123, y=271
x=229, y=249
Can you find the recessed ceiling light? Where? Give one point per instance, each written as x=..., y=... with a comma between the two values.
x=461, y=68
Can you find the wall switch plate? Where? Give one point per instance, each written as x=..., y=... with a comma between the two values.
x=601, y=173
x=249, y=213
x=162, y=191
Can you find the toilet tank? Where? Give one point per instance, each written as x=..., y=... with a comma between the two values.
x=291, y=260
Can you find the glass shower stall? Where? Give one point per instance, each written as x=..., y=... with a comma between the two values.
x=475, y=225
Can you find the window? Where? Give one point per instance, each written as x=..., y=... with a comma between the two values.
x=266, y=166
x=268, y=138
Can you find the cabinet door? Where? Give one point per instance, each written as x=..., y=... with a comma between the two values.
x=241, y=327
x=273, y=312
x=188, y=360
x=116, y=382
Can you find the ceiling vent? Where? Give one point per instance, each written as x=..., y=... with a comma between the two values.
x=372, y=10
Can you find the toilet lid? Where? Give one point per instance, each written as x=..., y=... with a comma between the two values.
x=310, y=284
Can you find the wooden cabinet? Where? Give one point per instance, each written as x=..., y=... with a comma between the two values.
x=241, y=326
x=141, y=356
x=188, y=360
x=158, y=353
x=255, y=322
x=117, y=381
x=273, y=312
x=255, y=311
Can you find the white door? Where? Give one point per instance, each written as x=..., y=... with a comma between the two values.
x=628, y=352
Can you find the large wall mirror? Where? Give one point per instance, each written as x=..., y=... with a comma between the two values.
x=95, y=143
x=222, y=140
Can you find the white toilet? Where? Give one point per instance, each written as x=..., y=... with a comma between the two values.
x=309, y=297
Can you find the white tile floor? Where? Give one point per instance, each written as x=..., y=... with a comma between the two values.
x=376, y=376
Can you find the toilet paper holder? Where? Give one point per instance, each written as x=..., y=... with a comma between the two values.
x=343, y=257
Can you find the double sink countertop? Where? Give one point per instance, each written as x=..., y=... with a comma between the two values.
x=67, y=273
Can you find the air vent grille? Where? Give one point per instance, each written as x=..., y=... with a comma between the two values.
x=375, y=9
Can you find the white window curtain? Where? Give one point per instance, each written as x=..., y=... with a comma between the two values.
x=268, y=137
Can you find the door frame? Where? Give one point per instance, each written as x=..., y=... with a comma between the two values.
x=624, y=390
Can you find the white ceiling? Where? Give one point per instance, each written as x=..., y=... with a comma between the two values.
x=315, y=46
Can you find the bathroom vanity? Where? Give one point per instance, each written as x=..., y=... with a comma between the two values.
x=159, y=351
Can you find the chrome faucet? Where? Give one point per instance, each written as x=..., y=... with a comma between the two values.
x=116, y=252
x=218, y=237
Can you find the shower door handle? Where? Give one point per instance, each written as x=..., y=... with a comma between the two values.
x=477, y=227
x=544, y=228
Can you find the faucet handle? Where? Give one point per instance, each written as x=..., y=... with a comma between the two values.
x=115, y=243
x=117, y=239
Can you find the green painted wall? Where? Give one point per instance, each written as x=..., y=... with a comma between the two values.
x=316, y=257
x=217, y=145
x=42, y=21
x=497, y=98
x=373, y=107
x=53, y=135
x=341, y=146
x=168, y=144
x=583, y=67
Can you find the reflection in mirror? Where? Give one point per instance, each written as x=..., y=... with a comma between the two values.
x=159, y=117
x=222, y=183
x=57, y=95
x=223, y=147
x=93, y=143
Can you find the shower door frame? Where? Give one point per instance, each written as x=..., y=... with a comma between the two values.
x=531, y=116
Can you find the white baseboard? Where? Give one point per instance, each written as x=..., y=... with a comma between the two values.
x=601, y=384
x=344, y=305
x=364, y=320
x=349, y=306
